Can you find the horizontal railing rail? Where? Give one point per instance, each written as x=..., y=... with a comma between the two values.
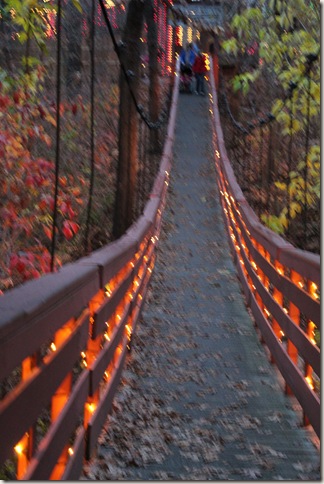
x=63, y=343
x=281, y=285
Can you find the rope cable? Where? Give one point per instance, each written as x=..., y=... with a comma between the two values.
x=309, y=64
x=58, y=129
x=92, y=143
x=128, y=74
x=292, y=87
x=268, y=117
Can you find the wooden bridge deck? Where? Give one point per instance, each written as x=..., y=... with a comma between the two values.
x=199, y=399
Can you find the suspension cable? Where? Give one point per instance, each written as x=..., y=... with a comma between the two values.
x=92, y=147
x=128, y=74
x=267, y=117
x=58, y=129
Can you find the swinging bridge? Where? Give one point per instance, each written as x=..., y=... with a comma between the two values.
x=87, y=313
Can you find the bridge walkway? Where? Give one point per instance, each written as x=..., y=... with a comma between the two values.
x=199, y=398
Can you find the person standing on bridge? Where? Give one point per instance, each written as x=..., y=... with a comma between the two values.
x=187, y=58
x=199, y=69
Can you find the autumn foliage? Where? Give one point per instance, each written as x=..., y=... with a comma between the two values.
x=27, y=185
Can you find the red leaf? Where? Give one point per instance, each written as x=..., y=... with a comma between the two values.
x=48, y=232
x=67, y=233
x=74, y=226
x=69, y=229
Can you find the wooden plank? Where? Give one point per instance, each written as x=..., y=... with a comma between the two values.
x=100, y=415
x=307, y=305
x=51, y=447
x=295, y=380
x=104, y=358
x=112, y=258
x=309, y=352
x=308, y=265
x=14, y=418
x=140, y=230
x=32, y=313
x=105, y=311
x=74, y=466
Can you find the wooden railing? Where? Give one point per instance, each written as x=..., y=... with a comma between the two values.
x=63, y=343
x=281, y=285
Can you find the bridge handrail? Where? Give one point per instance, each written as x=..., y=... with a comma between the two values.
x=63, y=343
x=281, y=284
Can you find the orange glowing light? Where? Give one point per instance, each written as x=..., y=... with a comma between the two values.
x=309, y=382
x=19, y=449
x=91, y=407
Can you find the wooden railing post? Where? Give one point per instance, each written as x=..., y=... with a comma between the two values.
x=294, y=314
x=61, y=397
x=25, y=447
x=92, y=351
x=278, y=297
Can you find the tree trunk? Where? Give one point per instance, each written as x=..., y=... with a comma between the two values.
x=5, y=31
x=154, y=76
x=128, y=120
x=73, y=58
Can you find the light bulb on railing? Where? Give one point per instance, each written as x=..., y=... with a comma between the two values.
x=19, y=449
x=309, y=382
x=91, y=407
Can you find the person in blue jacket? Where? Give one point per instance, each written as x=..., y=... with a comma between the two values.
x=187, y=58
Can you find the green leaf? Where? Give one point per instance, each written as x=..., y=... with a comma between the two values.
x=77, y=5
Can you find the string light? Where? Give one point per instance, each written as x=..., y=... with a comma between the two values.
x=309, y=382
x=19, y=449
x=91, y=407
